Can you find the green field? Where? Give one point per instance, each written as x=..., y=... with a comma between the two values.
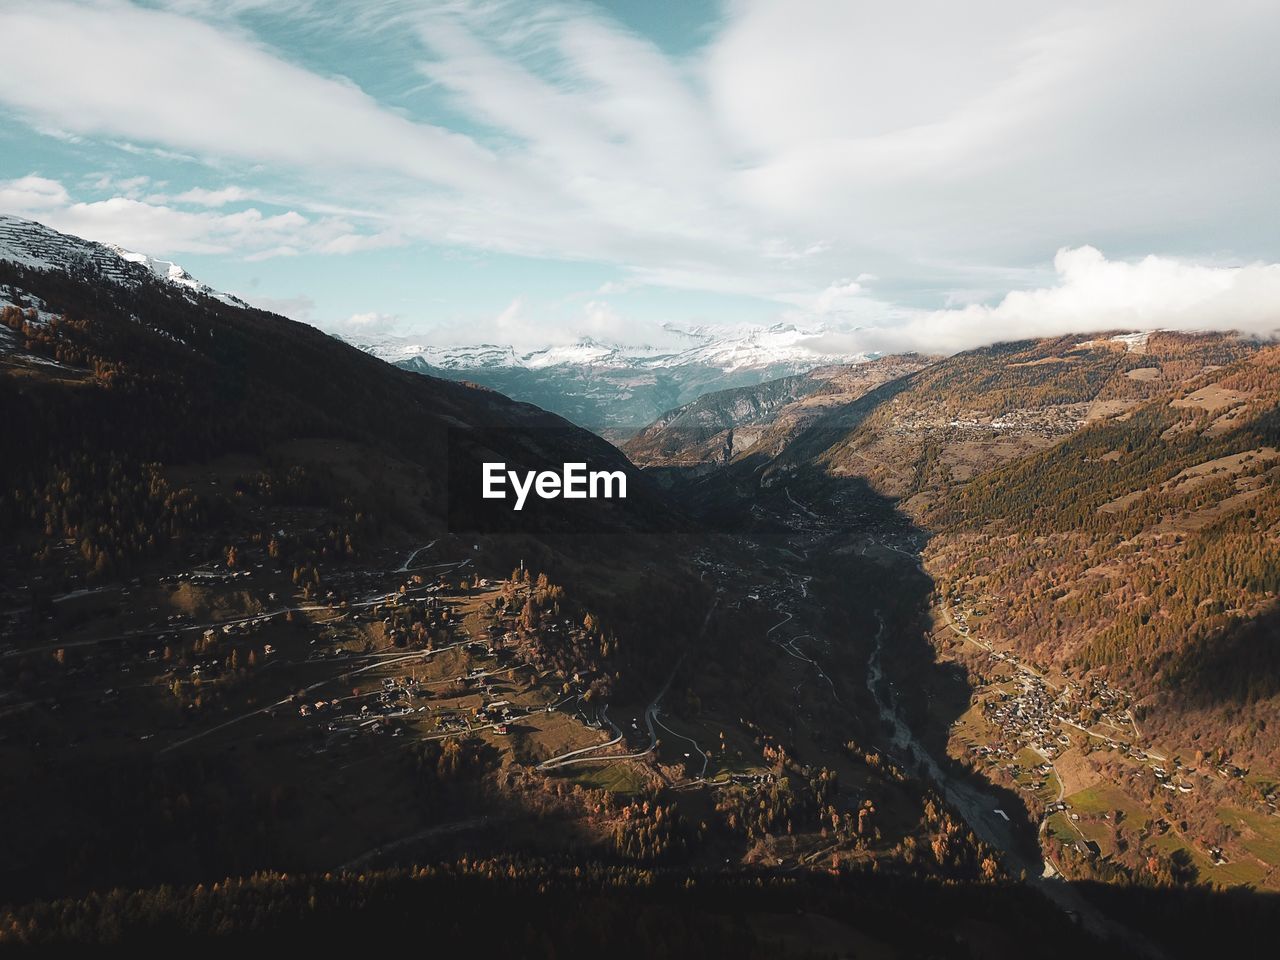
x=1103, y=798
x=617, y=777
x=1260, y=834
x=1049, y=792
x=1059, y=827
x=1234, y=873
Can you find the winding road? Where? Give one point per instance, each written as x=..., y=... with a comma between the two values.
x=650, y=717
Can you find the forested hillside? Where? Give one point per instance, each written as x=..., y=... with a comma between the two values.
x=115, y=392
x=1148, y=544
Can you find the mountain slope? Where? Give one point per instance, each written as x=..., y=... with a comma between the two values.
x=232, y=378
x=1157, y=536
x=116, y=391
x=222, y=507
x=954, y=419
x=726, y=424
x=35, y=246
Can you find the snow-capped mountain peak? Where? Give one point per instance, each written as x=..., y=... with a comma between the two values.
x=34, y=245
x=395, y=349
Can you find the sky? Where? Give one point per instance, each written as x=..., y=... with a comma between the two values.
x=917, y=175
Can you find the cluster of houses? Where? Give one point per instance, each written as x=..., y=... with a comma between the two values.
x=1039, y=717
x=242, y=628
x=401, y=698
x=1047, y=422
x=206, y=576
x=1111, y=704
x=1029, y=717
x=1179, y=778
x=499, y=714
x=399, y=612
x=376, y=715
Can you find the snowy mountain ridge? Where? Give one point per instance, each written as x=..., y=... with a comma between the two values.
x=610, y=386
x=780, y=346
x=34, y=245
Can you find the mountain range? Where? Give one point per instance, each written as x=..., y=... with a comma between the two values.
x=618, y=388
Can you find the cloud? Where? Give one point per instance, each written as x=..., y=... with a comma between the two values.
x=371, y=322
x=357, y=242
x=602, y=321
x=301, y=307
x=1092, y=293
x=212, y=198
x=604, y=138
x=32, y=194
x=178, y=82
x=163, y=228
x=934, y=152
x=836, y=296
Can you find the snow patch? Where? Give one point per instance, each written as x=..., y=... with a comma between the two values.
x=11, y=296
x=1135, y=342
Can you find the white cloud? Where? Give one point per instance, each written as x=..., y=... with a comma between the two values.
x=602, y=321
x=837, y=296
x=32, y=194
x=357, y=242
x=162, y=229
x=301, y=308
x=212, y=198
x=371, y=322
x=1093, y=293
x=613, y=147
x=181, y=83
x=932, y=151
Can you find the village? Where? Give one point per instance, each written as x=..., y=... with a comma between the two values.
x=1049, y=738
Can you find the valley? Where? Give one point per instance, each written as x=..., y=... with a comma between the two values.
x=639, y=481
x=245, y=638
x=1059, y=729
